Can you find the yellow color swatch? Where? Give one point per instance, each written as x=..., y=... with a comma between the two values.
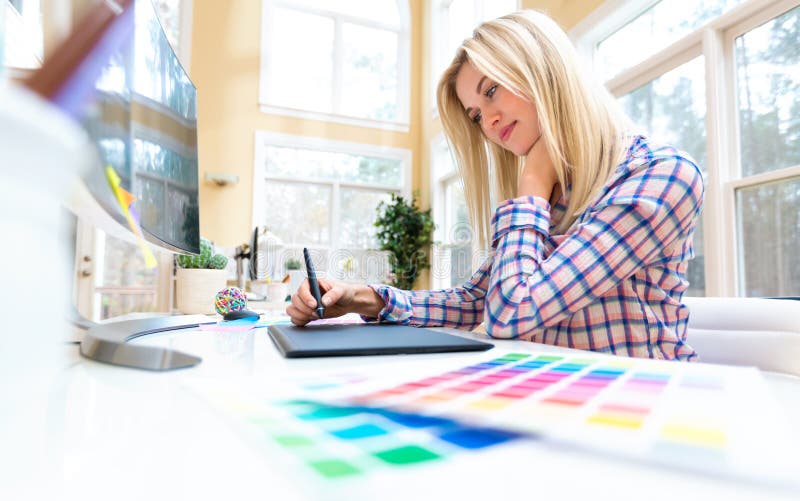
x=490, y=403
x=694, y=434
x=618, y=419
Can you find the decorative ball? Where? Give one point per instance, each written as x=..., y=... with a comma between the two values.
x=230, y=299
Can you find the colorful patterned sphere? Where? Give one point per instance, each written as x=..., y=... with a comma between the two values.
x=230, y=299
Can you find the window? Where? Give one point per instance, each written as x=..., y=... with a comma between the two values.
x=673, y=108
x=323, y=194
x=722, y=83
x=453, y=22
x=452, y=262
x=660, y=25
x=122, y=283
x=349, y=61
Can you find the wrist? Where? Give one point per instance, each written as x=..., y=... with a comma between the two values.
x=534, y=188
x=367, y=302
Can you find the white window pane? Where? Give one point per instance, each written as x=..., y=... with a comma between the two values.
x=769, y=222
x=768, y=76
x=442, y=159
x=123, y=265
x=384, y=11
x=358, y=214
x=695, y=272
x=460, y=264
x=456, y=224
x=298, y=213
x=360, y=266
x=114, y=304
x=661, y=25
x=301, y=78
x=461, y=20
x=330, y=166
x=369, y=72
x=672, y=109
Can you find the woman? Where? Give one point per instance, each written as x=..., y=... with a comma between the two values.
x=591, y=243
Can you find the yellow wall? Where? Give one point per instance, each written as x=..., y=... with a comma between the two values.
x=225, y=68
x=566, y=12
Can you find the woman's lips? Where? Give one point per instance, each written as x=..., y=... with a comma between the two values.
x=505, y=132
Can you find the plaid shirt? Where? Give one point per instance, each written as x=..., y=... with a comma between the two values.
x=612, y=283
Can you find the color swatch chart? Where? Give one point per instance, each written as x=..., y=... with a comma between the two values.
x=695, y=416
x=340, y=444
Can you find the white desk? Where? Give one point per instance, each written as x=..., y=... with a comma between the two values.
x=119, y=433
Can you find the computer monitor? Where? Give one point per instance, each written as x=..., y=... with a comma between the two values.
x=142, y=118
x=119, y=78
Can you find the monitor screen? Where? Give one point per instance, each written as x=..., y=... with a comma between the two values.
x=142, y=119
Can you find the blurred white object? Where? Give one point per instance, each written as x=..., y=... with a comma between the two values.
x=41, y=153
x=277, y=292
x=764, y=333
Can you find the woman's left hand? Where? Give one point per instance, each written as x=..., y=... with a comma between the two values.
x=538, y=177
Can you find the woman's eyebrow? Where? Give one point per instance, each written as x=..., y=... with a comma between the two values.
x=480, y=83
x=477, y=91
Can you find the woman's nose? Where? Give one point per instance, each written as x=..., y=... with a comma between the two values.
x=491, y=120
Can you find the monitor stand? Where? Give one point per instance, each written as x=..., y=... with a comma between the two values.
x=108, y=343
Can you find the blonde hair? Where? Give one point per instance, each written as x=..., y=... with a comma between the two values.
x=582, y=126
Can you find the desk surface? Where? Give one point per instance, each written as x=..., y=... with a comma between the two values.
x=111, y=432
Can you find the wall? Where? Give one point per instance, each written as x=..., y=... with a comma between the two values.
x=225, y=68
x=567, y=12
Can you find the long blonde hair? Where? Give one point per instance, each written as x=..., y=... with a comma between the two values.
x=582, y=126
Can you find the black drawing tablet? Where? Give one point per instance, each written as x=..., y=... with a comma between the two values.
x=366, y=339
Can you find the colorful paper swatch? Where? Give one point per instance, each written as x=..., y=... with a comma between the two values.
x=696, y=416
x=348, y=442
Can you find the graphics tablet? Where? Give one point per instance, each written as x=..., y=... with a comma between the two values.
x=366, y=339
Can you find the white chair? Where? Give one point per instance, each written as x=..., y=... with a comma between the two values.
x=764, y=333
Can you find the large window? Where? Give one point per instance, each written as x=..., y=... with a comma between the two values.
x=324, y=194
x=721, y=80
x=349, y=61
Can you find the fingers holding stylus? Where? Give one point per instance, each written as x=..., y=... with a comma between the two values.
x=303, y=306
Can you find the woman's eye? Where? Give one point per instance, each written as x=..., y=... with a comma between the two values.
x=491, y=90
x=477, y=118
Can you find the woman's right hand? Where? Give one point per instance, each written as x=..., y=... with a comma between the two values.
x=338, y=298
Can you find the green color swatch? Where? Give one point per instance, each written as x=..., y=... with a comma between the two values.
x=407, y=455
x=334, y=468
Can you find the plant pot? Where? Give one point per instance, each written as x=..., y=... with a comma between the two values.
x=196, y=290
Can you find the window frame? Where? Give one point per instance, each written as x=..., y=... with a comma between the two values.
x=403, y=32
x=715, y=40
x=261, y=177
x=440, y=36
x=441, y=259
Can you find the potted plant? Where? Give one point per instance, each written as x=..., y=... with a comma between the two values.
x=405, y=231
x=199, y=278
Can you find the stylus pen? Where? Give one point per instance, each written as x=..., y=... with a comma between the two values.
x=312, y=281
